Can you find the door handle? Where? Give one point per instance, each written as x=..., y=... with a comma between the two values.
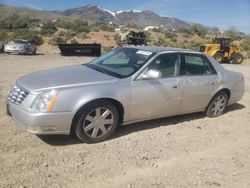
x=212, y=83
x=175, y=87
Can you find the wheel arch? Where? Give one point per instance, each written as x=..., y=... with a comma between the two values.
x=115, y=102
x=226, y=90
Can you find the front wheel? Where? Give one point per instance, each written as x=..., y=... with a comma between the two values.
x=217, y=105
x=34, y=52
x=96, y=122
x=219, y=57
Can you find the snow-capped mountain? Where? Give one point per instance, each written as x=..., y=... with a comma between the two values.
x=95, y=13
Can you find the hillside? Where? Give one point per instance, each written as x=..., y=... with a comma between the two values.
x=91, y=23
x=8, y=11
x=93, y=13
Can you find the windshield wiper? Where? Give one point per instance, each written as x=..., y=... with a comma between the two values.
x=102, y=70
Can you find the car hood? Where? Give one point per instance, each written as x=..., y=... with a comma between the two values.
x=71, y=76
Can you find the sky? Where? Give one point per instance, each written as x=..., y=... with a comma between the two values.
x=214, y=13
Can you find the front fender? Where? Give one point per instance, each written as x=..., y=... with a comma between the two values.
x=74, y=98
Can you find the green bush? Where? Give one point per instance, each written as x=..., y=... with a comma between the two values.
x=28, y=35
x=199, y=30
x=185, y=30
x=66, y=34
x=3, y=35
x=107, y=49
x=57, y=40
x=80, y=26
x=73, y=41
x=158, y=30
x=173, y=40
x=248, y=54
x=233, y=34
x=170, y=34
x=15, y=22
x=160, y=42
x=77, y=26
x=246, y=44
x=95, y=29
x=48, y=29
x=106, y=37
x=103, y=27
x=64, y=24
x=83, y=35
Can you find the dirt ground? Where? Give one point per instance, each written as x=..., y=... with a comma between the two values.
x=184, y=151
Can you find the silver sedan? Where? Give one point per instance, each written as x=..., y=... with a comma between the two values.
x=126, y=85
x=20, y=46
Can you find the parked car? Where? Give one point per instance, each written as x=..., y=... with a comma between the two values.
x=126, y=85
x=1, y=46
x=21, y=47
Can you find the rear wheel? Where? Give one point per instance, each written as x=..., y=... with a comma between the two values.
x=217, y=105
x=219, y=57
x=96, y=122
x=238, y=59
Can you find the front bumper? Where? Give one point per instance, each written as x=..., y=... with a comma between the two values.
x=40, y=123
x=9, y=50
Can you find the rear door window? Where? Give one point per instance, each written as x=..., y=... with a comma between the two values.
x=196, y=64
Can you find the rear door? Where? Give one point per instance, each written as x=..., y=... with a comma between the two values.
x=158, y=97
x=200, y=82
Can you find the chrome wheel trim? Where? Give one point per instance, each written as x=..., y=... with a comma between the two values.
x=218, y=105
x=98, y=122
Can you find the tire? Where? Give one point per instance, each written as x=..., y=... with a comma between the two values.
x=219, y=57
x=34, y=52
x=90, y=124
x=238, y=59
x=217, y=105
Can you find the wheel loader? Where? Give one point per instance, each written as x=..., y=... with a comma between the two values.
x=222, y=51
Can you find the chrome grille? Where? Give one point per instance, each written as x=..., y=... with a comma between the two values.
x=17, y=95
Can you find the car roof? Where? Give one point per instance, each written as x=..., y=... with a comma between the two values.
x=158, y=49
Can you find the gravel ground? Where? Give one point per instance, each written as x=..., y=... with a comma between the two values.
x=183, y=151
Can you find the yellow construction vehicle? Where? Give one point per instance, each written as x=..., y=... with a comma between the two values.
x=222, y=50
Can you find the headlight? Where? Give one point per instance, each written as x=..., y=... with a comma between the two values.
x=44, y=102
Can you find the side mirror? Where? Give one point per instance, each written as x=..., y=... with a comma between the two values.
x=150, y=74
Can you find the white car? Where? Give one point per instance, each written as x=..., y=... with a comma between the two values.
x=20, y=46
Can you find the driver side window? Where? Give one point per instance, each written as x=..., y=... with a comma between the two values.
x=167, y=64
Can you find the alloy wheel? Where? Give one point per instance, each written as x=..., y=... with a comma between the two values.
x=219, y=105
x=98, y=122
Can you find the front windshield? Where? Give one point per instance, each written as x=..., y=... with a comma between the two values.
x=121, y=62
x=20, y=41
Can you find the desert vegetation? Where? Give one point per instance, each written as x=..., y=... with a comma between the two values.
x=80, y=31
